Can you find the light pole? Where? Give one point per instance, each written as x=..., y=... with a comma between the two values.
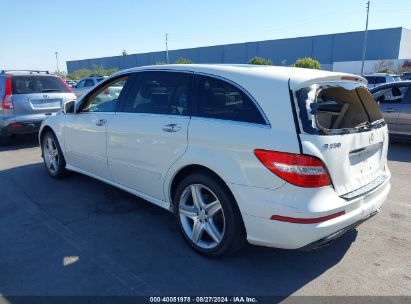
x=167, y=49
x=57, y=62
x=365, y=39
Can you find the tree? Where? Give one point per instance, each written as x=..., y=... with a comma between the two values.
x=406, y=67
x=96, y=71
x=384, y=66
x=307, y=63
x=124, y=53
x=260, y=61
x=61, y=74
x=183, y=60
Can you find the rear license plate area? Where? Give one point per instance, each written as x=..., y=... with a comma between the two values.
x=46, y=103
x=366, y=161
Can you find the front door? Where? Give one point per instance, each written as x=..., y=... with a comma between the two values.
x=85, y=132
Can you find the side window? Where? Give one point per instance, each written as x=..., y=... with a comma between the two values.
x=105, y=99
x=89, y=83
x=219, y=99
x=370, y=79
x=393, y=95
x=380, y=79
x=80, y=84
x=160, y=93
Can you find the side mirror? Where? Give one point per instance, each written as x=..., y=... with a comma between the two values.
x=69, y=107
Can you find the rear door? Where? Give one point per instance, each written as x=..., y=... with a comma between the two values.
x=404, y=117
x=341, y=124
x=36, y=95
x=150, y=133
x=389, y=99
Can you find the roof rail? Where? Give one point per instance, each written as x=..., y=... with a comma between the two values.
x=30, y=71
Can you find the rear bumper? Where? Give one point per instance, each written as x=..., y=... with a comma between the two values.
x=16, y=127
x=258, y=205
x=327, y=240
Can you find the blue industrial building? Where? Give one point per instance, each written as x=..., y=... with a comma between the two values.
x=384, y=44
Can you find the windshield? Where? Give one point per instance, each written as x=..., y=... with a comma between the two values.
x=37, y=84
x=337, y=108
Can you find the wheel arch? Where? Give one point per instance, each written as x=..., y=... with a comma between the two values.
x=43, y=132
x=193, y=168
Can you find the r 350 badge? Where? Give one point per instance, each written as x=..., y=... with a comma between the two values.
x=332, y=146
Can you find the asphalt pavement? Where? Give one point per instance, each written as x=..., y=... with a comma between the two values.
x=79, y=236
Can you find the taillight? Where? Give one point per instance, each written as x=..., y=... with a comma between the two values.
x=297, y=169
x=66, y=85
x=7, y=100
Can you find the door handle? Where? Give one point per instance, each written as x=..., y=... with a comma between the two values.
x=101, y=122
x=171, y=128
x=389, y=110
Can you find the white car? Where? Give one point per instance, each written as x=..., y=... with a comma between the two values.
x=281, y=157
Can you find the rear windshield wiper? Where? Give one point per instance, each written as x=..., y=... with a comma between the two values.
x=51, y=90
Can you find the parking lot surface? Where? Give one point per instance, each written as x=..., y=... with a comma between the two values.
x=79, y=236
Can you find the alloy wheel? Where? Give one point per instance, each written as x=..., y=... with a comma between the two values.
x=51, y=155
x=202, y=216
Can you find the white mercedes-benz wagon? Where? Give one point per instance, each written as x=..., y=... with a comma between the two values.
x=281, y=157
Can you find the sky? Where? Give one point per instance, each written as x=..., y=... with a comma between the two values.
x=33, y=30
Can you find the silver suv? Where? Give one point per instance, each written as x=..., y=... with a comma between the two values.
x=27, y=98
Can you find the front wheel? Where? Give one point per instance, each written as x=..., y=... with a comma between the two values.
x=208, y=216
x=53, y=157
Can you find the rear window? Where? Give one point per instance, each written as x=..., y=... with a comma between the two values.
x=330, y=109
x=37, y=84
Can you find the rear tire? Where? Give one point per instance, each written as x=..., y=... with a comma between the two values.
x=208, y=216
x=52, y=156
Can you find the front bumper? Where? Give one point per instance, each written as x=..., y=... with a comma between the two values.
x=258, y=205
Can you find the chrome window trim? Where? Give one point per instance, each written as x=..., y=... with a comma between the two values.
x=152, y=114
x=233, y=122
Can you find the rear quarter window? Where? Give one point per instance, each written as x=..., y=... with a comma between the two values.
x=219, y=99
x=37, y=84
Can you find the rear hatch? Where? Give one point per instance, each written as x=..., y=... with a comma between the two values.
x=341, y=124
x=39, y=94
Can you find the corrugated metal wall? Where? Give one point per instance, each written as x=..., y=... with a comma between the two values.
x=382, y=44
